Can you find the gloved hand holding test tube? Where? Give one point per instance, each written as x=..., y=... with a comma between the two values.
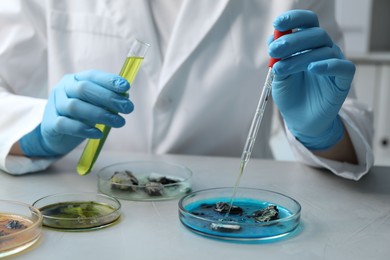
x=129, y=70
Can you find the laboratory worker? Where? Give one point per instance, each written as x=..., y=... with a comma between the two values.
x=196, y=91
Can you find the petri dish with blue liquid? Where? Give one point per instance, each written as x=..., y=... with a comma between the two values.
x=255, y=215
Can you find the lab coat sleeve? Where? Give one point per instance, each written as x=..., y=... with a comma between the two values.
x=23, y=79
x=358, y=122
x=26, y=114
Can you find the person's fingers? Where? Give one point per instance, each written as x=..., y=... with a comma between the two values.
x=66, y=126
x=85, y=112
x=295, y=19
x=107, y=80
x=93, y=93
x=343, y=71
x=298, y=63
x=304, y=40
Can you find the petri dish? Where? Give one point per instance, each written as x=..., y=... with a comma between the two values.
x=145, y=180
x=256, y=215
x=78, y=211
x=20, y=227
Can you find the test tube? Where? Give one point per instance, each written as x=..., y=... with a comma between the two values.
x=135, y=56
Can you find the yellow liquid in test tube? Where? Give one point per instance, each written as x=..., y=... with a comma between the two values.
x=94, y=146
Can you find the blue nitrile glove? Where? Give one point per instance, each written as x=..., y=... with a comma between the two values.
x=76, y=104
x=311, y=81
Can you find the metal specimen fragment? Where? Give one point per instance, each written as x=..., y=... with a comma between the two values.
x=267, y=214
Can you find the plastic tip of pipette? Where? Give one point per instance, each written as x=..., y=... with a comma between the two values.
x=277, y=34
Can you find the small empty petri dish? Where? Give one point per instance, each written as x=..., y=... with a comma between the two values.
x=20, y=227
x=78, y=211
x=145, y=180
x=256, y=214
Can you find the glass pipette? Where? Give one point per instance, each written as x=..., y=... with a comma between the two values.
x=129, y=70
x=256, y=121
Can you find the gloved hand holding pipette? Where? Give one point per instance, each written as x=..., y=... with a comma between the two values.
x=76, y=104
x=311, y=81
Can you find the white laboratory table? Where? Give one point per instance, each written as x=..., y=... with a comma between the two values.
x=341, y=219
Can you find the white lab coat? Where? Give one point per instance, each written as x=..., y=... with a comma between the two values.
x=198, y=99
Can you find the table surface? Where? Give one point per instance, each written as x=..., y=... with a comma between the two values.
x=341, y=219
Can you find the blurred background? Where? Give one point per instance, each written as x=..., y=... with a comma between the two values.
x=366, y=28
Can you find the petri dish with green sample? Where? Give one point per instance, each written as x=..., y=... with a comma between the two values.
x=78, y=211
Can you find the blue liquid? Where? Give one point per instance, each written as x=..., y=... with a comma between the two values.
x=203, y=219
